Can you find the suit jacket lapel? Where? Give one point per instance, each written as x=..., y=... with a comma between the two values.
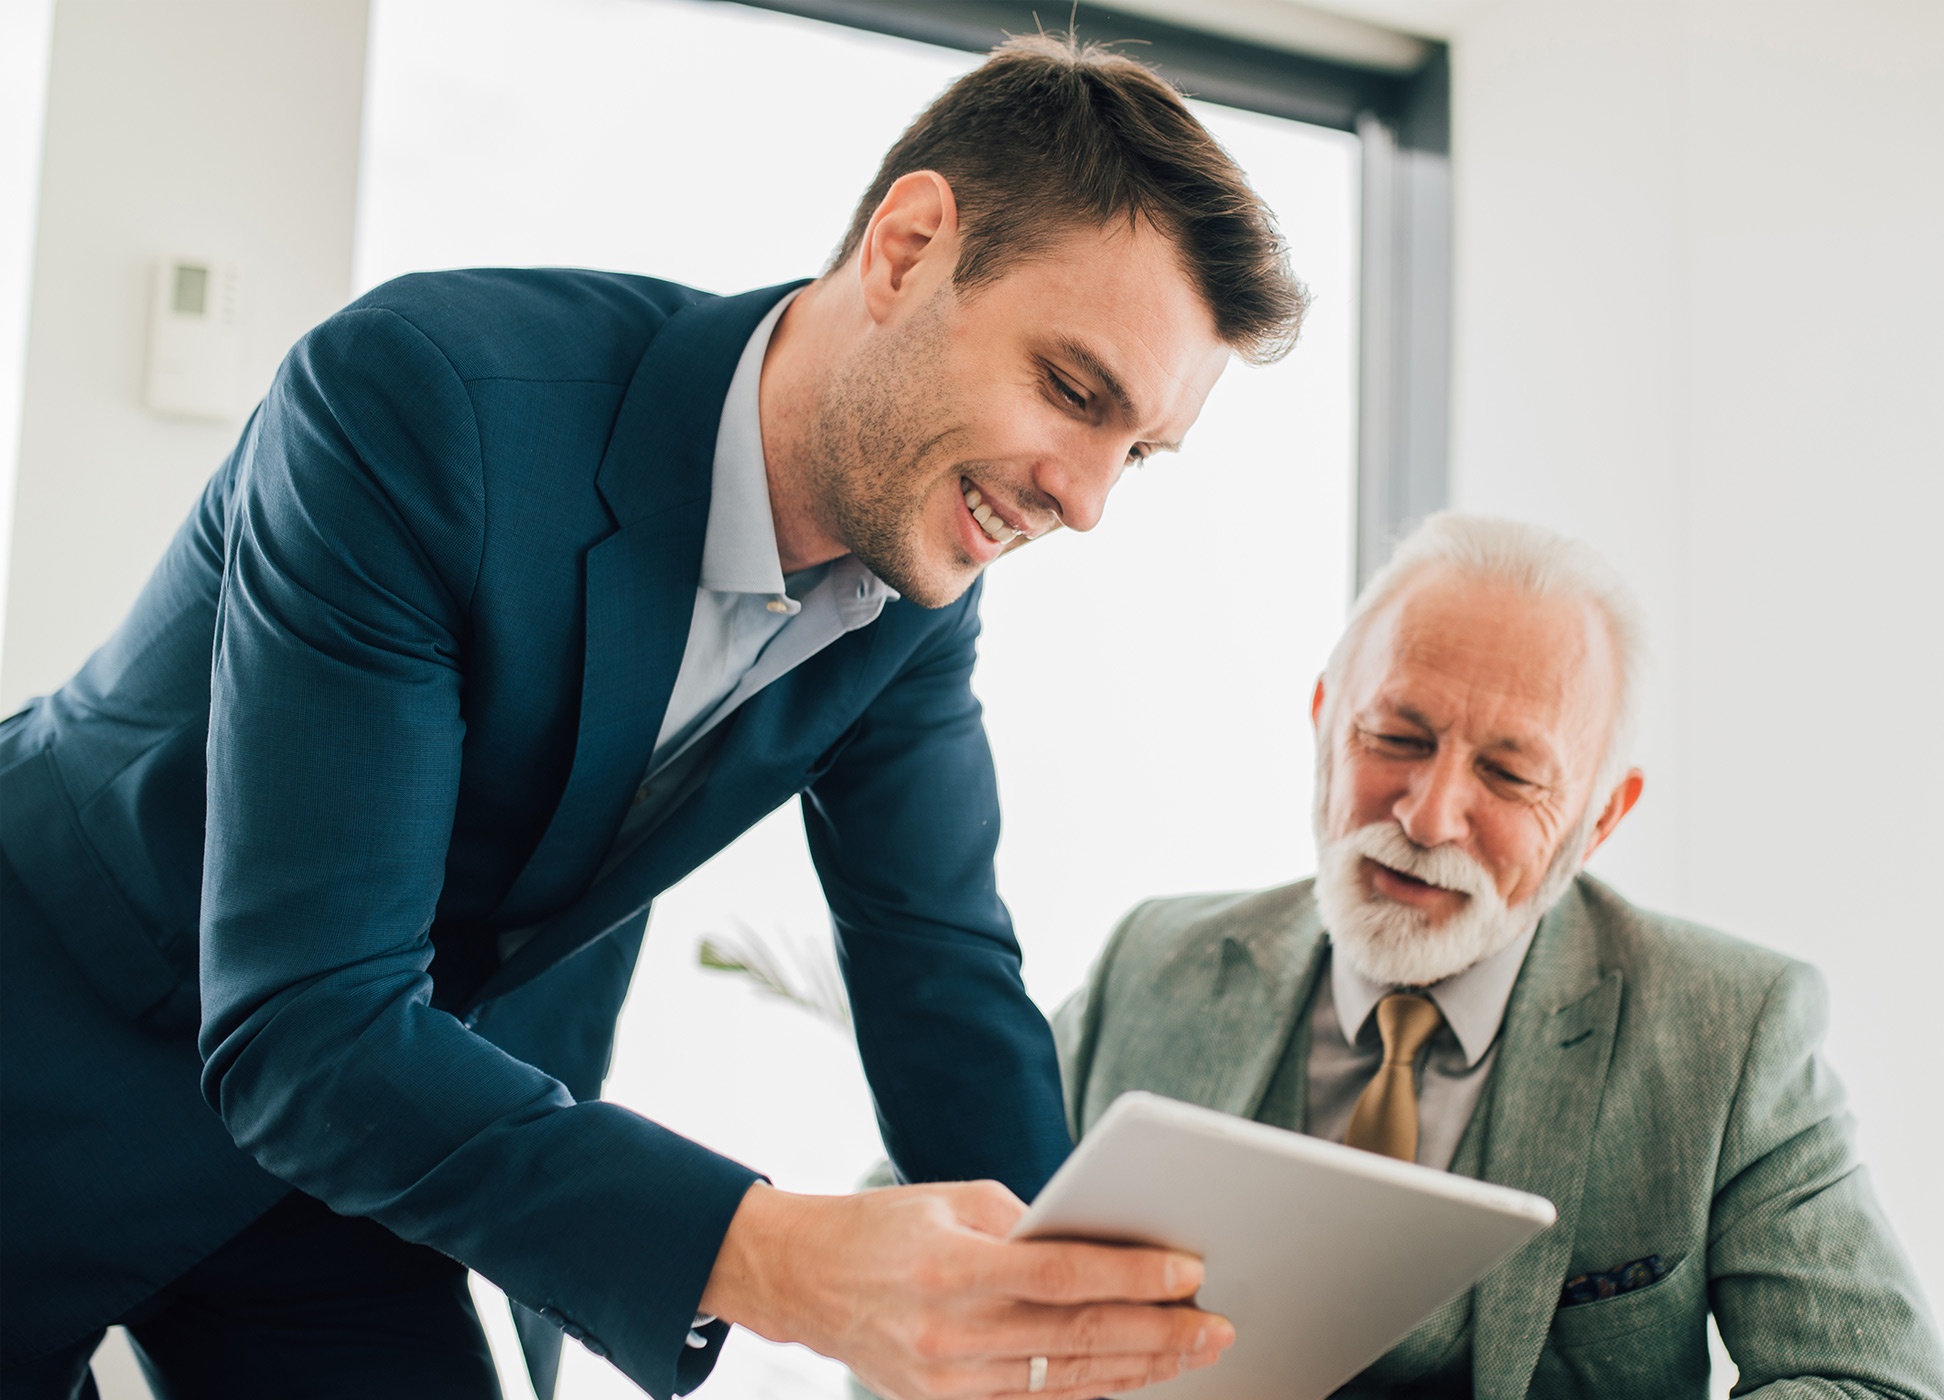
x=1552, y=1068
x=1262, y=999
x=655, y=479
x=770, y=744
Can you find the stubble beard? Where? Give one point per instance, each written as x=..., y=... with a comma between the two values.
x=880, y=442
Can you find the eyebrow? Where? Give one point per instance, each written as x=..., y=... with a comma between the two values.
x=1109, y=381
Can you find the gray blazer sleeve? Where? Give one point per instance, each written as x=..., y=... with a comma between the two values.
x=1808, y=1285
x=1075, y=1047
x=1076, y=1025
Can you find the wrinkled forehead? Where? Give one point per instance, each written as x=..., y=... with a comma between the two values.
x=1471, y=650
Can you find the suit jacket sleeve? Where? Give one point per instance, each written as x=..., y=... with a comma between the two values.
x=1806, y=1280
x=352, y=544
x=1076, y=1025
x=903, y=827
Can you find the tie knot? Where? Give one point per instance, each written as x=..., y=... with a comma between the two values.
x=1405, y=1022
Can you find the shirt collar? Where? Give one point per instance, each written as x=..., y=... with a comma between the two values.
x=1472, y=1002
x=860, y=594
x=739, y=553
x=739, y=546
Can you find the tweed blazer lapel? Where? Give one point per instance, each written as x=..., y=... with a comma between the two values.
x=1552, y=1068
x=1214, y=1015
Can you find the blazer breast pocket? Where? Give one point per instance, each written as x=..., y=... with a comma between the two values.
x=1652, y=1341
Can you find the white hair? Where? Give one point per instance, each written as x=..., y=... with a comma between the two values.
x=1537, y=563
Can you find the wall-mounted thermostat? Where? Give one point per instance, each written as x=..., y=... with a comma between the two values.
x=195, y=338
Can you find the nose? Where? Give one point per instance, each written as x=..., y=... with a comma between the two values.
x=1435, y=809
x=1078, y=481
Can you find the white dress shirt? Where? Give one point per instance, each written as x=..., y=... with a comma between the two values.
x=1346, y=1050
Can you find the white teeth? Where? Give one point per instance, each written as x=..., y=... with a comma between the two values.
x=996, y=529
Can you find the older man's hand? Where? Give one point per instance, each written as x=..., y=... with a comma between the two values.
x=918, y=1291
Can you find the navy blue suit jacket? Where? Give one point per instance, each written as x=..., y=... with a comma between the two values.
x=405, y=662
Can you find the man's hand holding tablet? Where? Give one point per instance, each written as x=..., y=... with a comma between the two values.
x=918, y=1290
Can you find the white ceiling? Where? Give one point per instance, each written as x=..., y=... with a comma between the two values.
x=1369, y=33
x=1434, y=19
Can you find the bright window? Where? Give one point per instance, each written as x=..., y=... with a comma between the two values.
x=1147, y=686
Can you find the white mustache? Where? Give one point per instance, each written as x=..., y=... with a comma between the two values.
x=1447, y=867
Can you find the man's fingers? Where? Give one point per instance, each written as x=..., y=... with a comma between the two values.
x=1064, y=1271
x=1111, y=1329
x=1089, y=1375
x=987, y=1206
x=918, y=1289
x=1065, y=1375
x=1084, y=1377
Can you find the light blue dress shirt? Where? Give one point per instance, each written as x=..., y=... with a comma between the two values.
x=750, y=624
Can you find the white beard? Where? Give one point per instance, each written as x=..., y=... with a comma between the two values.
x=1394, y=944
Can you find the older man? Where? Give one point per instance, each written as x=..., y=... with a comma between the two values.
x=1451, y=990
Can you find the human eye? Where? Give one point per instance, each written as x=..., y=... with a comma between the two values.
x=1397, y=742
x=1507, y=778
x=1064, y=393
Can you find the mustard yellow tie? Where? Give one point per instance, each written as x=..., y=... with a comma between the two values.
x=1386, y=1116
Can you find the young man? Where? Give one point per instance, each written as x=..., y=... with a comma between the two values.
x=521, y=595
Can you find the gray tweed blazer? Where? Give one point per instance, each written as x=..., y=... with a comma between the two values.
x=1658, y=1082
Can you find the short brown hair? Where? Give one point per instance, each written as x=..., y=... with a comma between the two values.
x=1049, y=135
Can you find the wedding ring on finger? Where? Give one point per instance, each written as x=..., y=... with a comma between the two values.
x=1036, y=1375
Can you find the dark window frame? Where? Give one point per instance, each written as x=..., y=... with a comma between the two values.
x=1403, y=122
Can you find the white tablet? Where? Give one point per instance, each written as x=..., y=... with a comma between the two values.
x=1324, y=1257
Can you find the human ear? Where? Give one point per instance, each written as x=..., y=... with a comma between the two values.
x=1316, y=708
x=1618, y=805
x=910, y=245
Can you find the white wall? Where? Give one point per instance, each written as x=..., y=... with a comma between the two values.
x=24, y=26
x=221, y=128
x=1699, y=303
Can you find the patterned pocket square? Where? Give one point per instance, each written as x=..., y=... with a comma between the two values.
x=1591, y=1288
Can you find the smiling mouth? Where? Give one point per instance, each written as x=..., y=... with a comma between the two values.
x=996, y=530
x=1412, y=882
